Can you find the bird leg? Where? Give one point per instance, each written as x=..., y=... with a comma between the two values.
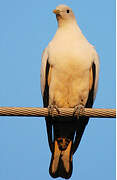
x=51, y=108
x=78, y=109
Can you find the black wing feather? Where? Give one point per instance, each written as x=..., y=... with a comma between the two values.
x=46, y=103
x=82, y=121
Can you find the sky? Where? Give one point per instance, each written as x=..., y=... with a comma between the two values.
x=26, y=27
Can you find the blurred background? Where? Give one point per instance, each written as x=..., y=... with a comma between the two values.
x=26, y=27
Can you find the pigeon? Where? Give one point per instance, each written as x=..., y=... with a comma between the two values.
x=69, y=79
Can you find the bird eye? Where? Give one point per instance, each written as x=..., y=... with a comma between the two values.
x=67, y=10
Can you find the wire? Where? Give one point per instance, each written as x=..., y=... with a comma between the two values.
x=41, y=112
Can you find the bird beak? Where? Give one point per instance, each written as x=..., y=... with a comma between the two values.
x=56, y=11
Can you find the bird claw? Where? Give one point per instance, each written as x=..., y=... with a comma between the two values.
x=77, y=110
x=51, y=110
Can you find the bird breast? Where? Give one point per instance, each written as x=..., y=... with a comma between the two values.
x=70, y=76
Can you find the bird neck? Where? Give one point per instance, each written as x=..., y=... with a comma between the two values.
x=65, y=23
x=70, y=27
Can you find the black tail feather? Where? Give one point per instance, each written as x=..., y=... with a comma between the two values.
x=61, y=171
x=61, y=162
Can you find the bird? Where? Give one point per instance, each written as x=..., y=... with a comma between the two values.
x=69, y=79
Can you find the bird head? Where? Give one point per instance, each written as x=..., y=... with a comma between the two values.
x=64, y=14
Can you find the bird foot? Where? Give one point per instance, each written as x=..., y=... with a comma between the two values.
x=78, y=109
x=51, y=110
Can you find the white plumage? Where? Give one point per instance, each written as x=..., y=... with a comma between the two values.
x=72, y=75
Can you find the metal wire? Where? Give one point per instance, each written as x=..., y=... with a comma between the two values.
x=42, y=112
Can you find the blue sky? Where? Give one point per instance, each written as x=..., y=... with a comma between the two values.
x=26, y=27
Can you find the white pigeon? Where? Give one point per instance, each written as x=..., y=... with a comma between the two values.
x=69, y=79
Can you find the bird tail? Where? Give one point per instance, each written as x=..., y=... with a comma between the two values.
x=61, y=161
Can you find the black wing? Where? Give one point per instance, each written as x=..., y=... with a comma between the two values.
x=46, y=103
x=82, y=121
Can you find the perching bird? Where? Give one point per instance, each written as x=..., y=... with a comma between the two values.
x=69, y=79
